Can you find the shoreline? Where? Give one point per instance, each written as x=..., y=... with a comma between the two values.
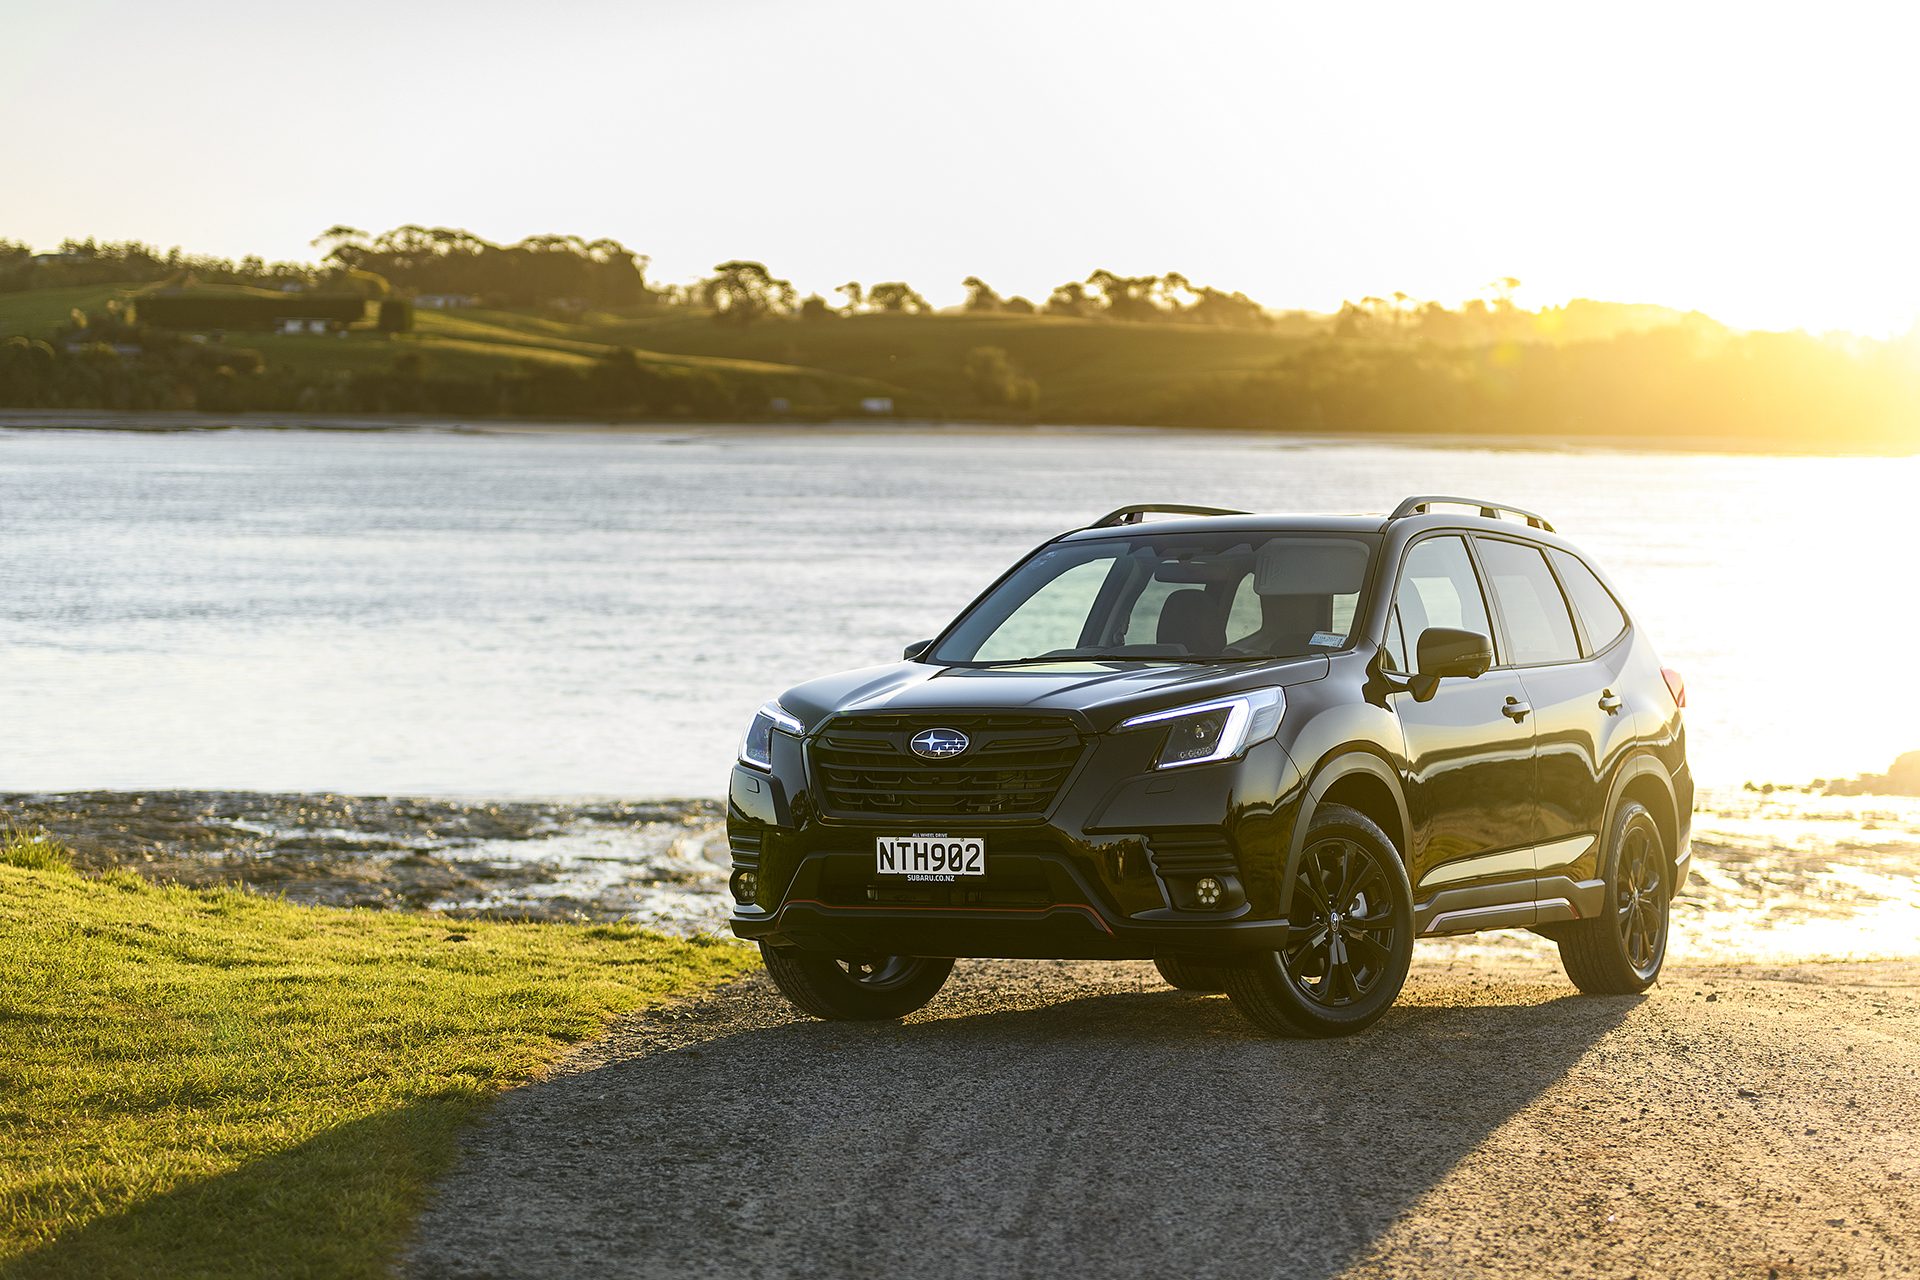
x=165, y=422
x=1777, y=879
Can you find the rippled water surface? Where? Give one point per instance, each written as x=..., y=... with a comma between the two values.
x=581, y=613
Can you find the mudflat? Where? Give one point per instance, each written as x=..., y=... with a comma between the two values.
x=1069, y=1118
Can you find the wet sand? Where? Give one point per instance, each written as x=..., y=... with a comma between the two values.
x=660, y=864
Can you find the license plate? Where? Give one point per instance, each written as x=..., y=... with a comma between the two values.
x=930, y=857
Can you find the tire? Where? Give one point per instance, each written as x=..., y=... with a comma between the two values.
x=1619, y=952
x=866, y=989
x=1190, y=975
x=1334, y=978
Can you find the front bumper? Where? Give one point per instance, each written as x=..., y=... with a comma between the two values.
x=1108, y=873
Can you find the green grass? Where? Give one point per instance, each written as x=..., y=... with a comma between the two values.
x=1088, y=370
x=211, y=1083
x=36, y=313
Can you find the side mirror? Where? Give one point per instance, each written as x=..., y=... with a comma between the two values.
x=1445, y=651
x=914, y=650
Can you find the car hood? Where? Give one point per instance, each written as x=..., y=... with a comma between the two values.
x=1103, y=693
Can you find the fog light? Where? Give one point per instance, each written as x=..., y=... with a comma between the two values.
x=1207, y=890
x=746, y=886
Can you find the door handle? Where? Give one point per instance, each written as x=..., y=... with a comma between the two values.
x=1610, y=702
x=1516, y=710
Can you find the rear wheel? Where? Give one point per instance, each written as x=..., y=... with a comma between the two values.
x=1190, y=975
x=1619, y=952
x=1349, y=935
x=856, y=989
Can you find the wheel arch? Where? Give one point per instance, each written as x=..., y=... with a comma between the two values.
x=1362, y=781
x=1643, y=778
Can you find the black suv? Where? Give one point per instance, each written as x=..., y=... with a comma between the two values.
x=1265, y=752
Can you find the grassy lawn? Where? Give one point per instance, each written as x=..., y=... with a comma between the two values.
x=210, y=1083
x=36, y=313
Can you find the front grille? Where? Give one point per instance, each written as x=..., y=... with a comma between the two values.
x=1191, y=851
x=1012, y=768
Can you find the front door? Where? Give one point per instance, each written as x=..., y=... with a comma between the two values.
x=1469, y=748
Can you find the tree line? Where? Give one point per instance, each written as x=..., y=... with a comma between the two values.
x=569, y=272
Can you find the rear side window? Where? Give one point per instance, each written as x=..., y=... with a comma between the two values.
x=1539, y=628
x=1599, y=612
x=1438, y=588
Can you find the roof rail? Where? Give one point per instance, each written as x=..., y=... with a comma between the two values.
x=1420, y=503
x=1137, y=512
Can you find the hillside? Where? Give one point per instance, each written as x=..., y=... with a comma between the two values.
x=1590, y=369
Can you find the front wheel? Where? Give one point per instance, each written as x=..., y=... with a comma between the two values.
x=858, y=989
x=1349, y=939
x=1619, y=952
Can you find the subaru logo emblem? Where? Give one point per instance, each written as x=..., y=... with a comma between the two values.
x=938, y=744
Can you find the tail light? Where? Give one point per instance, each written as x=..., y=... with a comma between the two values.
x=1675, y=685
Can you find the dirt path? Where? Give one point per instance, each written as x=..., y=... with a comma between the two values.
x=1066, y=1119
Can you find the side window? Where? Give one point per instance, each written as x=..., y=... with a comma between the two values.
x=1395, y=646
x=1438, y=588
x=1599, y=612
x=1244, y=620
x=1539, y=628
x=1051, y=618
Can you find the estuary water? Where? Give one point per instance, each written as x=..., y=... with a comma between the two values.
x=590, y=617
x=579, y=613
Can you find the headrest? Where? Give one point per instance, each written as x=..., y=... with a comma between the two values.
x=1310, y=567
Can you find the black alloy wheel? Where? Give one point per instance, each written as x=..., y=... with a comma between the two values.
x=1349, y=935
x=1619, y=950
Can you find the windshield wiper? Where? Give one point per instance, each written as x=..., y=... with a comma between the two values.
x=1233, y=657
x=1122, y=657
x=1065, y=657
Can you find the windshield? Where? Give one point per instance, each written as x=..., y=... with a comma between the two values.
x=1180, y=597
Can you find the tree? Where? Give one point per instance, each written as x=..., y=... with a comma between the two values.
x=741, y=292
x=852, y=293
x=1071, y=299
x=1127, y=297
x=980, y=295
x=1018, y=306
x=995, y=381
x=814, y=307
x=896, y=295
x=396, y=315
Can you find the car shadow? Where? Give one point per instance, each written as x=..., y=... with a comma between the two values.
x=1120, y=1133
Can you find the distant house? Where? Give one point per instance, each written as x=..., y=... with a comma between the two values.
x=206, y=310
x=443, y=301
x=877, y=404
x=43, y=259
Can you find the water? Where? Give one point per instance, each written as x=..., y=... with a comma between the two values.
x=598, y=613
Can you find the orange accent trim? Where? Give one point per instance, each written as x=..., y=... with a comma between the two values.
x=1058, y=906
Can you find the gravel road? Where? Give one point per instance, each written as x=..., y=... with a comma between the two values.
x=1075, y=1119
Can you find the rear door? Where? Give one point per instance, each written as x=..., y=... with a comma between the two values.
x=1581, y=720
x=1470, y=769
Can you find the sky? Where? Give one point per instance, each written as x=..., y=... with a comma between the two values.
x=1752, y=161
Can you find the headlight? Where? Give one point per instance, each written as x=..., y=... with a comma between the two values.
x=756, y=748
x=1216, y=730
